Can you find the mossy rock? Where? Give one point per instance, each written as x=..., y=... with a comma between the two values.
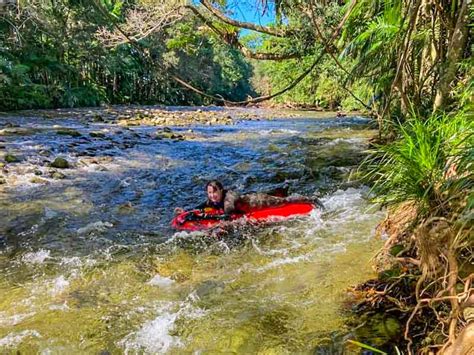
x=60, y=163
x=10, y=158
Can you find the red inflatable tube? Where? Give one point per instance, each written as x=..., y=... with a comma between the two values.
x=198, y=220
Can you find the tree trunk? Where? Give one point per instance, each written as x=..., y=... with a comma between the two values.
x=456, y=48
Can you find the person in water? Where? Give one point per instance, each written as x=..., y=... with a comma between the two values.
x=228, y=201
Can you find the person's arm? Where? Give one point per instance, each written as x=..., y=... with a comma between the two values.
x=201, y=206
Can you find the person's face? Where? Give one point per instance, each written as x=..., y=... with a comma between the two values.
x=214, y=195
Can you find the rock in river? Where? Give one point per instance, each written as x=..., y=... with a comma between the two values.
x=60, y=163
x=68, y=132
x=10, y=158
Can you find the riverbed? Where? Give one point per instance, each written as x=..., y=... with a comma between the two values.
x=90, y=263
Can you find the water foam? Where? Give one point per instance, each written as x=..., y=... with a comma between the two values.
x=15, y=319
x=160, y=281
x=14, y=339
x=59, y=285
x=284, y=261
x=36, y=257
x=155, y=336
x=98, y=226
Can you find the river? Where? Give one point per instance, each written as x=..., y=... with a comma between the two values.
x=90, y=263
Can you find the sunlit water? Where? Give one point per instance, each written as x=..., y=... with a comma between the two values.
x=90, y=264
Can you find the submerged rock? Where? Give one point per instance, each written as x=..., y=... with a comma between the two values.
x=68, y=132
x=45, y=152
x=97, y=134
x=60, y=163
x=10, y=158
x=57, y=175
x=209, y=288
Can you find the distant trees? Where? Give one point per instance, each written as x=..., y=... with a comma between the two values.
x=390, y=56
x=62, y=53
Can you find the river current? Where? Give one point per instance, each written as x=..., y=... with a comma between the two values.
x=90, y=264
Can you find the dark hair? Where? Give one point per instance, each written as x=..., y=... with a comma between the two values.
x=216, y=185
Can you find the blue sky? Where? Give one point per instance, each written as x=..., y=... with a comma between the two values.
x=250, y=11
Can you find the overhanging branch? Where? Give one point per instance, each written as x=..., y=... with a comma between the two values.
x=241, y=24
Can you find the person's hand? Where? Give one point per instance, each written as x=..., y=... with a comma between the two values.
x=178, y=210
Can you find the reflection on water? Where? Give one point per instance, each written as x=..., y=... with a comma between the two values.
x=89, y=262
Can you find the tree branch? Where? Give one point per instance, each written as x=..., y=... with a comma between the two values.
x=232, y=40
x=247, y=25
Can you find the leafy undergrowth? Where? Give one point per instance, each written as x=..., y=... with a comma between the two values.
x=424, y=291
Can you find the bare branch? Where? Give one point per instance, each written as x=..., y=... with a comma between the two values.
x=232, y=40
x=241, y=24
x=141, y=22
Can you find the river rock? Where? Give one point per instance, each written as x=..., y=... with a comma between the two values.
x=45, y=153
x=68, y=132
x=97, y=134
x=209, y=288
x=17, y=131
x=60, y=163
x=98, y=118
x=56, y=175
x=38, y=172
x=10, y=158
x=126, y=208
x=2, y=181
x=38, y=180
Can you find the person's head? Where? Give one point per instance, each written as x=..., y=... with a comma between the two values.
x=215, y=191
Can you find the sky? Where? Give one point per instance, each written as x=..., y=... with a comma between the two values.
x=250, y=11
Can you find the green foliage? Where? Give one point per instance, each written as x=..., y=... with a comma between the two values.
x=57, y=60
x=430, y=163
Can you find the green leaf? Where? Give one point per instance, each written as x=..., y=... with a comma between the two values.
x=368, y=347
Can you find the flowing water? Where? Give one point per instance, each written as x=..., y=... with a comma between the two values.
x=90, y=264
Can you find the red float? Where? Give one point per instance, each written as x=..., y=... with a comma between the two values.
x=199, y=220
